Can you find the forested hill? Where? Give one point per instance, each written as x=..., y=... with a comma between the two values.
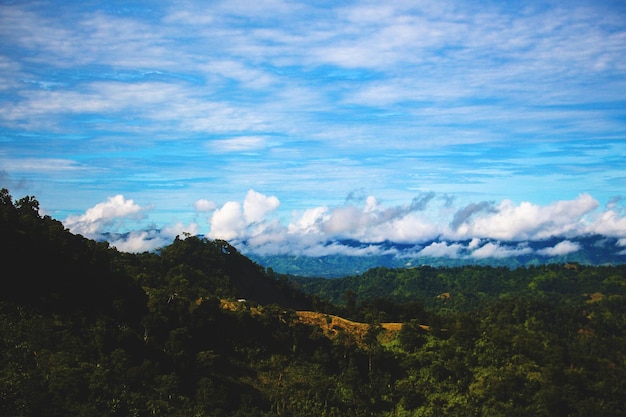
x=88, y=331
x=47, y=266
x=470, y=287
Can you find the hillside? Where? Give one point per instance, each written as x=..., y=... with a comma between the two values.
x=334, y=326
x=215, y=267
x=50, y=267
x=331, y=326
x=47, y=267
x=470, y=287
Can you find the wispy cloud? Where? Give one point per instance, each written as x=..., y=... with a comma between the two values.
x=442, y=250
x=238, y=144
x=561, y=248
x=482, y=103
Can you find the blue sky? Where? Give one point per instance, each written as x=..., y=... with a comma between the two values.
x=287, y=126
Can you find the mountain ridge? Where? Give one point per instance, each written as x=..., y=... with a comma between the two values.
x=592, y=250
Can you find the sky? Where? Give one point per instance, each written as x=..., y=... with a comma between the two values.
x=292, y=126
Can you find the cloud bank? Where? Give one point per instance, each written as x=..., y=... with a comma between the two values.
x=102, y=222
x=427, y=226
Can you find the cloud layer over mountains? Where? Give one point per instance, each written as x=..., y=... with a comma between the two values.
x=430, y=225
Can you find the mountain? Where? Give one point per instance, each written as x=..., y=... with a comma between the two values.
x=217, y=268
x=586, y=250
x=47, y=266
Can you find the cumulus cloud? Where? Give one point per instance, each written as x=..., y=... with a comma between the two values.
x=104, y=216
x=204, y=205
x=609, y=223
x=370, y=223
x=363, y=226
x=234, y=220
x=409, y=228
x=561, y=248
x=317, y=230
x=526, y=221
x=364, y=219
x=116, y=213
x=228, y=221
x=310, y=222
x=256, y=206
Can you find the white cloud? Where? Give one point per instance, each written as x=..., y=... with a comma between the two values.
x=179, y=229
x=228, y=222
x=115, y=213
x=474, y=243
x=253, y=226
x=406, y=229
x=147, y=240
x=310, y=222
x=236, y=221
x=41, y=165
x=140, y=241
x=248, y=76
x=561, y=248
x=104, y=216
x=256, y=206
x=371, y=223
x=526, y=221
x=238, y=144
x=317, y=228
x=441, y=250
x=609, y=223
x=204, y=205
x=496, y=250
x=336, y=248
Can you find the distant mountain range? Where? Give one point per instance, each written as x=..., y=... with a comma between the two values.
x=589, y=250
x=352, y=257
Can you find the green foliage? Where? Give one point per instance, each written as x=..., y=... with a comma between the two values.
x=88, y=331
x=48, y=267
x=445, y=290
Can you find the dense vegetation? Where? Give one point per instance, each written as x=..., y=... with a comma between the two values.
x=470, y=288
x=88, y=331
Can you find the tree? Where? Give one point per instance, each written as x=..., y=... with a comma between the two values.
x=412, y=336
